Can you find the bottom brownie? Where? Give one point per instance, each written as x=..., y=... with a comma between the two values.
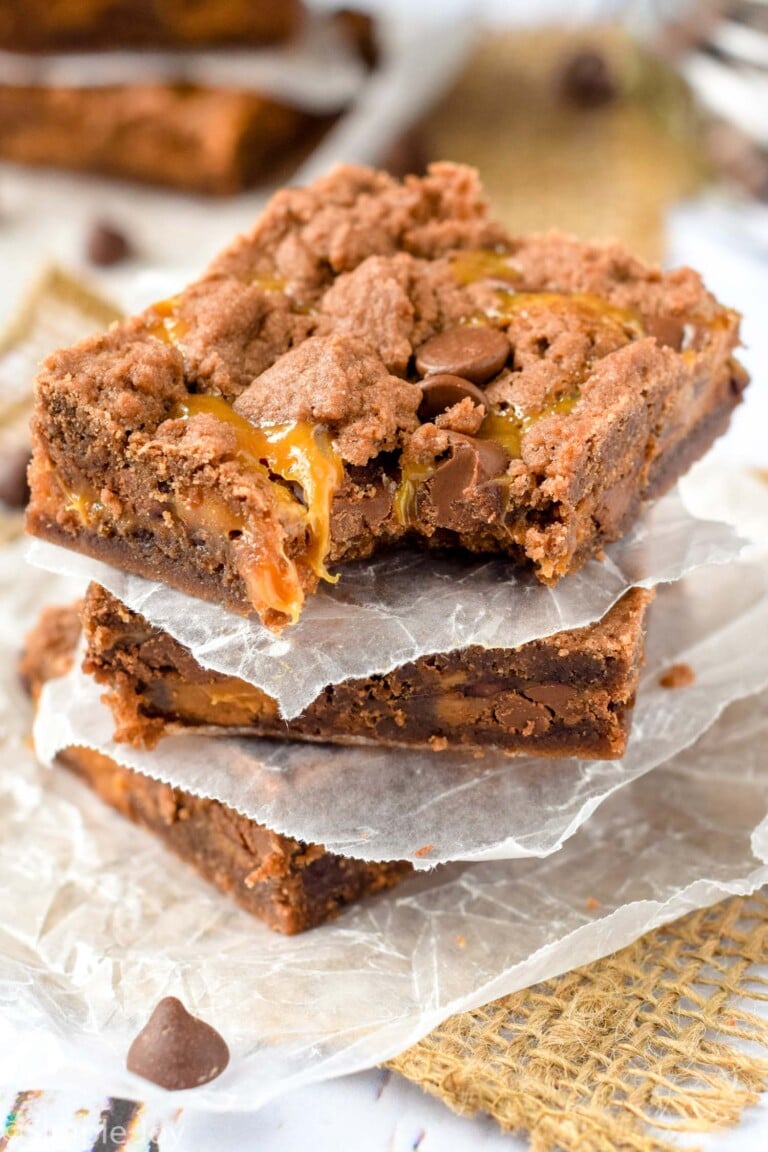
x=570, y=694
x=288, y=884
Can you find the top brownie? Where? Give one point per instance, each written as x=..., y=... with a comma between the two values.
x=70, y=25
x=379, y=361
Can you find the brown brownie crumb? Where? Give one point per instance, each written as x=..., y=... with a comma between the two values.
x=678, y=676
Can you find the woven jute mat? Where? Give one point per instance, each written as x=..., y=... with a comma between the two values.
x=615, y=1056
x=549, y=162
x=658, y=1038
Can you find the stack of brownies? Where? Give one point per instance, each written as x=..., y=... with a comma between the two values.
x=158, y=90
x=377, y=365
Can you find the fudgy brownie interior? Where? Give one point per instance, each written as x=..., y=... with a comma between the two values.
x=570, y=694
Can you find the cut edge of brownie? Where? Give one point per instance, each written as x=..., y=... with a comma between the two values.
x=290, y=885
x=566, y=695
x=169, y=444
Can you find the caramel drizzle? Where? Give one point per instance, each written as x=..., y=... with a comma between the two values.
x=165, y=323
x=298, y=453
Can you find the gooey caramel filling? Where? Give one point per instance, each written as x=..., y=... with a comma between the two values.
x=295, y=453
x=166, y=324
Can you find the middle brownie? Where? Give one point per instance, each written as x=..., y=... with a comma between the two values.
x=570, y=694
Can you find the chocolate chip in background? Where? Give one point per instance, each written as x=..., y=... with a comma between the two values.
x=441, y=391
x=106, y=245
x=14, y=487
x=475, y=354
x=177, y=1050
x=587, y=79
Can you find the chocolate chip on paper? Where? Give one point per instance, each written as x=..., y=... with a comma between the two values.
x=177, y=1050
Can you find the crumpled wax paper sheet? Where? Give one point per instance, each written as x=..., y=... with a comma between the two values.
x=99, y=922
x=398, y=607
x=428, y=807
x=318, y=69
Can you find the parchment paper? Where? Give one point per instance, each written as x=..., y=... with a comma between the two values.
x=396, y=608
x=427, y=807
x=98, y=921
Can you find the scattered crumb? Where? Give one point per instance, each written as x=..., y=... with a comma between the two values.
x=438, y=743
x=461, y=941
x=678, y=676
x=593, y=904
x=425, y=851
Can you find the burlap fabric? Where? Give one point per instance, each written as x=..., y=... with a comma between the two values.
x=607, y=171
x=613, y=1057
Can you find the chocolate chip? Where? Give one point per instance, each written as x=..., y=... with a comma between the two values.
x=472, y=464
x=14, y=489
x=441, y=391
x=177, y=1050
x=106, y=245
x=476, y=354
x=668, y=331
x=587, y=79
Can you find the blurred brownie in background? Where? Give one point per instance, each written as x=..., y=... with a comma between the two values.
x=191, y=138
x=72, y=25
x=160, y=123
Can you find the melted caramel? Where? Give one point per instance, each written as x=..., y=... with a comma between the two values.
x=297, y=453
x=509, y=426
x=85, y=506
x=269, y=283
x=412, y=476
x=484, y=264
x=513, y=303
x=166, y=324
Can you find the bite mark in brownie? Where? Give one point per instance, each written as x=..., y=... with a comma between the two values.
x=289, y=884
x=602, y=379
x=570, y=694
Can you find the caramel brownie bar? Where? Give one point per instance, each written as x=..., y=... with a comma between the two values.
x=566, y=695
x=193, y=138
x=378, y=362
x=71, y=25
x=288, y=884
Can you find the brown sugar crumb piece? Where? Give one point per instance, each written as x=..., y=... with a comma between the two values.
x=290, y=885
x=678, y=676
x=570, y=694
x=379, y=362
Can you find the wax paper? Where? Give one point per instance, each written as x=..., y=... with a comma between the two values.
x=98, y=921
x=398, y=607
x=428, y=807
